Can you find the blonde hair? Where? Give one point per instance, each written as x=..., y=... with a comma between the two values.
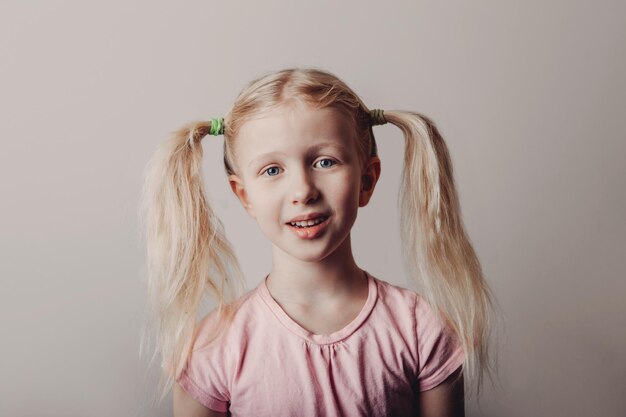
x=190, y=258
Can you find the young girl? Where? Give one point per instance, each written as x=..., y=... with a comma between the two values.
x=319, y=336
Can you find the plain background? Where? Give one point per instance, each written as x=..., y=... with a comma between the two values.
x=530, y=97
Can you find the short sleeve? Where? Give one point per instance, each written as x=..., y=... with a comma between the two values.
x=439, y=350
x=205, y=376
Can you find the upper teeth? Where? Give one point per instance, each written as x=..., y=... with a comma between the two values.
x=308, y=222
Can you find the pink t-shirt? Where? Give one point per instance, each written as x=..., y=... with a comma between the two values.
x=266, y=364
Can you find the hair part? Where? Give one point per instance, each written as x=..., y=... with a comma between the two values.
x=314, y=87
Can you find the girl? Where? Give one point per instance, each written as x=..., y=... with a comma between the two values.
x=319, y=336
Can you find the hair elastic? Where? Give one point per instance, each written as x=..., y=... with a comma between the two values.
x=378, y=117
x=217, y=126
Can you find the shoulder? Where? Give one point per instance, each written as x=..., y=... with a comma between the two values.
x=440, y=351
x=221, y=326
x=395, y=309
x=437, y=348
x=423, y=315
x=213, y=355
x=395, y=295
x=221, y=339
x=398, y=298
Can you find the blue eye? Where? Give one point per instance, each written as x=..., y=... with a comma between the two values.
x=329, y=163
x=271, y=171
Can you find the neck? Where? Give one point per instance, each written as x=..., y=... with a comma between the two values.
x=313, y=282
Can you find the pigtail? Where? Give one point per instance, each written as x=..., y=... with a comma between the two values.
x=435, y=245
x=188, y=255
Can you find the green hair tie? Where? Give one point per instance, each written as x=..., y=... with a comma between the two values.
x=217, y=126
x=378, y=117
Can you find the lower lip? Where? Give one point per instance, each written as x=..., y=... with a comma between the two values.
x=309, y=232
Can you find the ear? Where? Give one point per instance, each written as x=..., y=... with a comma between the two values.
x=237, y=185
x=369, y=177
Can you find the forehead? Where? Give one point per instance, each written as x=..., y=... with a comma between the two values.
x=292, y=127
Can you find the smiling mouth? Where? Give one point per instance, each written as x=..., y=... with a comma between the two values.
x=308, y=223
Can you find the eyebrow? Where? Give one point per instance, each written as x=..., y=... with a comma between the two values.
x=312, y=149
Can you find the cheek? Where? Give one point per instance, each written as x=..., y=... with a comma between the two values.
x=264, y=201
x=258, y=192
x=348, y=191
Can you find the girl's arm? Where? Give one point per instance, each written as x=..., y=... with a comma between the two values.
x=187, y=406
x=445, y=400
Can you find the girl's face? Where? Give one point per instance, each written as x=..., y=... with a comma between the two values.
x=297, y=163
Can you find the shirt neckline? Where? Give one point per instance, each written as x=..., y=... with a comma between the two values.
x=322, y=339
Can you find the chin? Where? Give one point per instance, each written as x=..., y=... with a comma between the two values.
x=307, y=255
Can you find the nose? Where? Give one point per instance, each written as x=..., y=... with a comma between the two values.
x=304, y=190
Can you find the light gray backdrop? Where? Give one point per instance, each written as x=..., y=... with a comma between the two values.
x=530, y=97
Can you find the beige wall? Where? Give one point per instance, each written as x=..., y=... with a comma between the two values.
x=529, y=95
